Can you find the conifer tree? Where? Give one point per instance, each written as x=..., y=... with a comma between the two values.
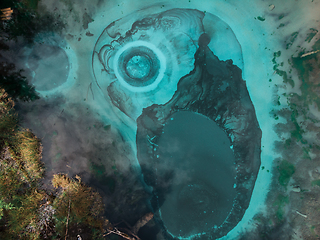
x=20, y=171
x=26, y=211
x=76, y=205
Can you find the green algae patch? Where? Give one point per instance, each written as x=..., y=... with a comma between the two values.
x=31, y=4
x=97, y=170
x=286, y=170
x=305, y=66
x=261, y=18
x=285, y=77
x=311, y=34
x=99, y=173
x=57, y=157
x=275, y=55
x=312, y=229
x=298, y=131
x=107, y=127
x=280, y=204
x=291, y=39
x=316, y=46
x=281, y=73
x=315, y=183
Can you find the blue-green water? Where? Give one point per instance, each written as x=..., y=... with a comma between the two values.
x=202, y=189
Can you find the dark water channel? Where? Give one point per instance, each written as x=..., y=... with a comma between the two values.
x=202, y=190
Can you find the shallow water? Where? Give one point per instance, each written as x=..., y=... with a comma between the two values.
x=41, y=61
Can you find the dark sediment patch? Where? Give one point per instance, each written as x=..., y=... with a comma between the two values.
x=216, y=90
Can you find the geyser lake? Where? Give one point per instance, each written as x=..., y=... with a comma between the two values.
x=203, y=186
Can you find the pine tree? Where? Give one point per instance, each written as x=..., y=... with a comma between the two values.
x=20, y=171
x=26, y=212
x=76, y=204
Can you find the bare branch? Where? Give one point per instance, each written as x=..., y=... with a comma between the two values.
x=65, y=238
x=143, y=221
x=121, y=234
